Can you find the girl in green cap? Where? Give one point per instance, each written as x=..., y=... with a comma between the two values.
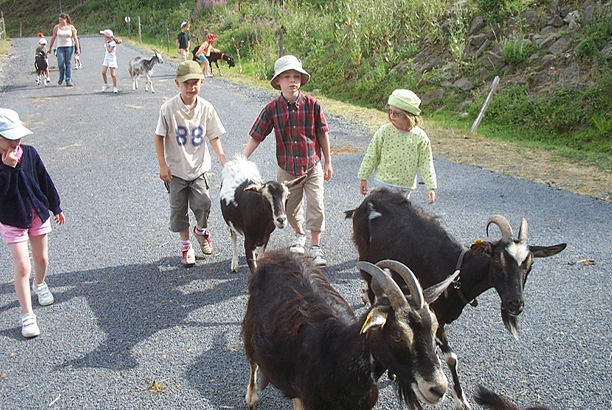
x=399, y=148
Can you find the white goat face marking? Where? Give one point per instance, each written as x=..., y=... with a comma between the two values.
x=519, y=251
x=278, y=210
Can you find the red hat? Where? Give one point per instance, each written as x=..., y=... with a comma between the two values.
x=211, y=37
x=40, y=35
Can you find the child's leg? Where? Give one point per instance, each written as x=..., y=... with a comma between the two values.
x=295, y=201
x=21, y=262
x=199, y=201
x=40, y=254
x=113, y=76
x=315, y=209
x=104, y=78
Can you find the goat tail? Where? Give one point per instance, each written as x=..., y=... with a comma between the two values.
x=492, y=400
x=349, y=214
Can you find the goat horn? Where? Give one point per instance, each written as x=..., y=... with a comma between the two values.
x=416, y=291
x=522, y=236
x=503, y=224
x=389, y=287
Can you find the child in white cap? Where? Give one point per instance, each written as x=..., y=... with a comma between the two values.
x=27, y=193
x=110, y=59
x=302, y=140
x=182, y=41
x=399, y=148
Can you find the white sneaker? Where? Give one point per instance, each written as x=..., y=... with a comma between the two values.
x=115, y=90
x=45, y=297
x=29, y=327
x=317, y=253
x=208, y=75
x=298, y=243
x=188, y=256
x=104, y=87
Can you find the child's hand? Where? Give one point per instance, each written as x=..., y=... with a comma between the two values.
x=60, y=219
x=363, y=187
x=9, y=157
x=165, y=174
x=431, y=196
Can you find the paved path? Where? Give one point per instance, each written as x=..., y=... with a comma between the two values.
x=127, y=315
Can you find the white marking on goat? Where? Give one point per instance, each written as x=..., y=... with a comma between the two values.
x=519, y=251
x=373, y=214
x=234, y=173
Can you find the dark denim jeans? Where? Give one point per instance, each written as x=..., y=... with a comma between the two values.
x=64, y=63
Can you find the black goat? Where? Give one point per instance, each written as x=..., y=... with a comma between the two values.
x=40, y=64
x=306, y=340
x=251, y=207
x=214, y=57
x=494, y=401
x=387, y=226
x=139, y=66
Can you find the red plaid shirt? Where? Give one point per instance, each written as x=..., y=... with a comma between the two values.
x=296, y=126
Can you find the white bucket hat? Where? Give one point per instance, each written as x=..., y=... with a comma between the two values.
x=11, y=127
x=286, y=63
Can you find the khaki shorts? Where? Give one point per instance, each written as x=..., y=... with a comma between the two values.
x=312, y=186
x=188, y=194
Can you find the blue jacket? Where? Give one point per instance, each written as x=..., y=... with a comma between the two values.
x=24, y=187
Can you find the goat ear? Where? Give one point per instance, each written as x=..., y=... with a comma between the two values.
x=254, y=187
x=376, y=318
x=433, y=292
x=545, y=251
x=293, y=182
x=481, y=246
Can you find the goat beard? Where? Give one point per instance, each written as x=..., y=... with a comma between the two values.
x=407, y=397
x=511, y=323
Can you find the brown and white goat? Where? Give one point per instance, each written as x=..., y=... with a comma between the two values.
x=251, y=207
x=139, y=66
x=306, y=340
x=388, y=226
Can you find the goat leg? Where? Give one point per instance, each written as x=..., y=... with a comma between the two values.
x=450, y=357
x=249, y=251
x=297, y=404
x=235, y=267
x=251, y=394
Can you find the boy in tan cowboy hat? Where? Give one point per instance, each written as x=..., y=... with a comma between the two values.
x=186, y=122
x=399, y=148
x=302, y=139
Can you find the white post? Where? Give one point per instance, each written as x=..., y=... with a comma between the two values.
x=486, y=104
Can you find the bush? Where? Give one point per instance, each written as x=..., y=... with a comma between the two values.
x=516, y=51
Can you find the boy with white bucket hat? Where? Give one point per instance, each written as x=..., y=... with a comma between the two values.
x=302, y=140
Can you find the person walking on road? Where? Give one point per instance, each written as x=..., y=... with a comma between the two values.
x=185, y=122
x=67, y=41
x=400, y=148
x=110, y=59
x=27, y=193
x=302, y=137
x=182, y=41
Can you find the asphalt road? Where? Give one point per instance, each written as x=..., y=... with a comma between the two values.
x=132, y=329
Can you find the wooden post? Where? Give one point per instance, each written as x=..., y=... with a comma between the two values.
x=20, y=29
x=167, y=38
x=281, y=41
x=139, y=31
x=486, y=104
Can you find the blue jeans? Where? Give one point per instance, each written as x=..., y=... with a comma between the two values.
x=64, y=63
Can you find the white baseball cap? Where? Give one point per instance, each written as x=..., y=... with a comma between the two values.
x=107, y=32
x=11, y=127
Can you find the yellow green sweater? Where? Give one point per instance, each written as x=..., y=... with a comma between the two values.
x=394, y=157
